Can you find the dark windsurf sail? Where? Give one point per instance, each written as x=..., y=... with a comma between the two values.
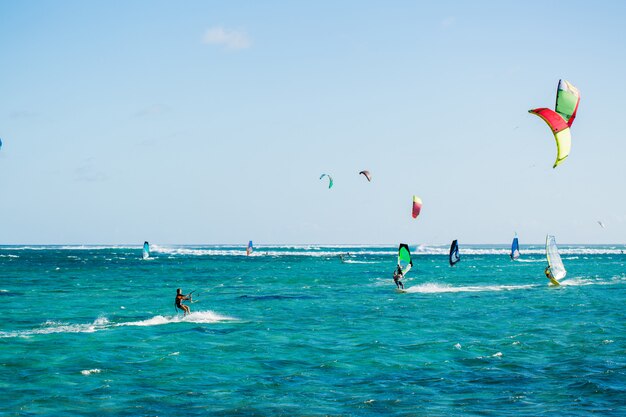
x=515, y=248
x=146, y=250
x=454, y=256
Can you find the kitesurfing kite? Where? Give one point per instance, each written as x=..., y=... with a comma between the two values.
x=515, y=248
x=601, y=224
x=367, y=175
x=453, y=256
x=555, y=271
x=417, y=206
x=330, y=179
x=560, y=121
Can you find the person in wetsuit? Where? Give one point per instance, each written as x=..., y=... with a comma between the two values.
x=179, y=302
x=397, y=276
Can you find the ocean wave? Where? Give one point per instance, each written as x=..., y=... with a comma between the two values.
x=68, y=247
x=332, y=250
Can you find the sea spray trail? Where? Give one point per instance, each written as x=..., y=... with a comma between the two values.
x=201, y=317
x=292, y=330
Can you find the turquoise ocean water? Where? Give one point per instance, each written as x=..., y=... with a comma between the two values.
x=293, y=330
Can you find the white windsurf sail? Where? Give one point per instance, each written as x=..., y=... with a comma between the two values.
x=554, y=259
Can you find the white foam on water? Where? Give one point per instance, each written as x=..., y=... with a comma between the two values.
x=431, y=288
x=51, y=327
x=581, y=282
x=351, y=261
x=196, y=317
x=332, y=250
x=102, y=323
x=90, y=371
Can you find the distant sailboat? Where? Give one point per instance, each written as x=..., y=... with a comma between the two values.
x=454, y=256
x=515, y=248
x=249, y=249
x=555, y=271
x=146, y=250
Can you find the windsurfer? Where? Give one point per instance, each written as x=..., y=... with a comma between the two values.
x=548, y=273
x=397, y=276
x=179, y=301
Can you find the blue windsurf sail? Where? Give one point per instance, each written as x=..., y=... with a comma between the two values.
x=515, y=248
x=146, y=250
x=454, y=256
x=249, y=248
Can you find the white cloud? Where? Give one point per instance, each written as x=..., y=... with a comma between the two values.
x=231, y=39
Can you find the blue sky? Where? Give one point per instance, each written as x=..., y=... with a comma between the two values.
x=211, y=122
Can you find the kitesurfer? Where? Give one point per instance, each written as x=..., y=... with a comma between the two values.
x=397, y=276
x=179, y=301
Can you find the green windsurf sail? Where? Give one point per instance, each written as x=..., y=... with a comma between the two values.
x=405, y=263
